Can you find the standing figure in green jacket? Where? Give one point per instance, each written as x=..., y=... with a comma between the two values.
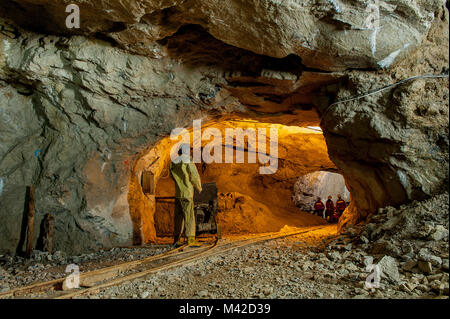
x=186, y=178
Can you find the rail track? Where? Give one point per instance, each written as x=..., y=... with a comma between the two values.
x=94, y=281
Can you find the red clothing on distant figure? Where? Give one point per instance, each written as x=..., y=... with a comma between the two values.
x=341, y=205
x=319, y=205
x=335, y=216
x=330, y=205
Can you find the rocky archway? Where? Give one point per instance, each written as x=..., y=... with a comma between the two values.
x=268, y=204
x=78, y=112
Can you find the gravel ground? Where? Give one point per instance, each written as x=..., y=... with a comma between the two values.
x=285, y=268
x=407, y=247
x=275, y=269
x=16, y=271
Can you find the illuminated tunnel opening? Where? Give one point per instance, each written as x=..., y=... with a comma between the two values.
x=247, y=202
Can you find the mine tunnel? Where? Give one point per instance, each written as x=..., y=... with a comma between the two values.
x=319, y=98
x=246, y=202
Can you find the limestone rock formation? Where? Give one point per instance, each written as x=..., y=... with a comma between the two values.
x=400, y=151
x=326, y=34
x=90, y=111
x=74, y=114
x=79, y=108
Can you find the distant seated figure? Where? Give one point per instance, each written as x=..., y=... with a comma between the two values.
x=335, y=216
x=329, y=208
x=319, y=208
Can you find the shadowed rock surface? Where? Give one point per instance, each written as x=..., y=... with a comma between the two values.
x=326, y=34
x=78, y=111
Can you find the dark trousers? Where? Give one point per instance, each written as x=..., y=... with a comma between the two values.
x=329, y=214
x=318, y=212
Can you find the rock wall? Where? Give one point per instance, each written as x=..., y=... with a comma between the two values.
x=75, y=112
x=400, y=151
x=326, y=34
x=80, y=107
x=91, y=110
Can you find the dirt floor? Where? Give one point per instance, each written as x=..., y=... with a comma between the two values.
x=294, y=267
x=16, y=271
x=408, y=246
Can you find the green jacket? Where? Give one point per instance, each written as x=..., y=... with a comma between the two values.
x=186, y=177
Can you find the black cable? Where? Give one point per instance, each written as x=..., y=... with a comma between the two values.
x=357, y=97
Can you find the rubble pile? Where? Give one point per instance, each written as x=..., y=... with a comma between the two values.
x=409, y=245
x=406, y=248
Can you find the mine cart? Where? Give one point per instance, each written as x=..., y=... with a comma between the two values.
x=205, y=208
